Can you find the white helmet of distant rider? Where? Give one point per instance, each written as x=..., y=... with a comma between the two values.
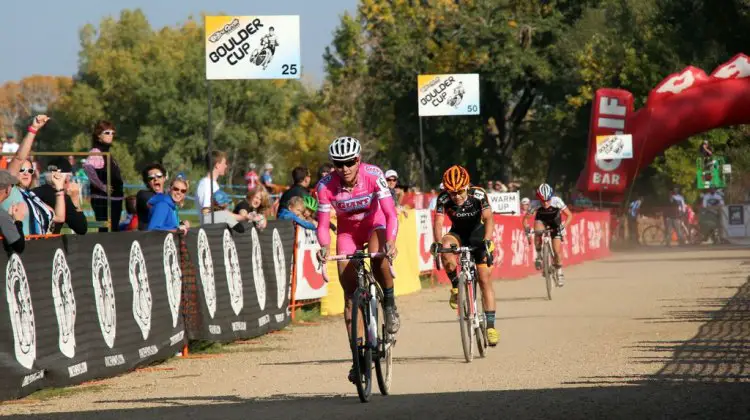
x=544, y=192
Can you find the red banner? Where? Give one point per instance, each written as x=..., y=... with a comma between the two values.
x=587, y=238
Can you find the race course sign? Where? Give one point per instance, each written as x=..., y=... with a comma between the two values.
x=448, y=94
x=617, y=146
x=252, y=47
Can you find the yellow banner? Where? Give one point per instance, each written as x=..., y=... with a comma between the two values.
x=406, y=267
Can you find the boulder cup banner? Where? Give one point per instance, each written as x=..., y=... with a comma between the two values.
x=448, y=94
x=252, y=47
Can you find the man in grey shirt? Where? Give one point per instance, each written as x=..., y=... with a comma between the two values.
x=11, y=223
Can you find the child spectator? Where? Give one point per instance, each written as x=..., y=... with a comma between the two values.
x=294, y=212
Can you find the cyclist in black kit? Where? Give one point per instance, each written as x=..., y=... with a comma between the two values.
x=471, y=225
x=549, y=215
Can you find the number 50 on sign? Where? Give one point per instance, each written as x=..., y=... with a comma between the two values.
x=252, y=47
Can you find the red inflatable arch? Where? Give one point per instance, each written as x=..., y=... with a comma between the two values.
x=684, y=104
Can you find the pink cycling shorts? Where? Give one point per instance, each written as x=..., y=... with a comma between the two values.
x=350, y=239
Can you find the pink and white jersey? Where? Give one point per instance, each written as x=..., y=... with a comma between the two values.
x=366, y=205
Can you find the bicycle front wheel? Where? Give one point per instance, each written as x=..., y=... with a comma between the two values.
x=361, y=351
x=547, y=267
x=384, y=357
x=481, y=329
x=465, y=318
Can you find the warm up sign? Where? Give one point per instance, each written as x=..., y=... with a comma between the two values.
x=252, y=47
x=448, y=94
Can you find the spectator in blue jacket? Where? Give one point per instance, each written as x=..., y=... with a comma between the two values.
x=163, y=208
x=294, y=212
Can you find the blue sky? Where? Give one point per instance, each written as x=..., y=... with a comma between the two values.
x=42, y=37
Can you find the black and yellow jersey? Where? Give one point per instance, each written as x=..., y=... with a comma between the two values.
x=466, y=217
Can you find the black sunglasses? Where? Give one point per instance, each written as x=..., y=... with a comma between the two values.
x=348, y=163
x=180, y=190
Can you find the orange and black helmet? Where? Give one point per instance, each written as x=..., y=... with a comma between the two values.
x=456, y=178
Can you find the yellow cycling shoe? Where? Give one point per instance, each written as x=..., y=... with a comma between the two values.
x=454, y=298
x=492, y=337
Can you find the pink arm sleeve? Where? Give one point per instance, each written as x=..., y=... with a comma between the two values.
x=324, y=216
x=391, y=218
x=324, y=225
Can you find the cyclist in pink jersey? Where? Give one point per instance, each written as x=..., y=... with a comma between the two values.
x=366, y=213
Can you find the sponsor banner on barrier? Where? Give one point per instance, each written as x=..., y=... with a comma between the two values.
x=448, y=94
x=587, y=238
x=425, y=238
x=242, y=280
x=309, y=274
x=252, y=47
x=508, y=203
x=85, y=307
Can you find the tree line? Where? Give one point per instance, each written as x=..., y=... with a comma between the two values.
x=540, y=62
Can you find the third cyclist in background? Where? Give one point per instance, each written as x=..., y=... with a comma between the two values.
x=549, y=215
x=472, y=224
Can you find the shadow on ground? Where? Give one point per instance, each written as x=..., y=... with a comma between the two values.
x=707, y=376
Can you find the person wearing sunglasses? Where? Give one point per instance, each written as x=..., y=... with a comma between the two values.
x=472, y=224
x=359, y=196
x=96, y=168
x=164, y=208
x=74, y=216
x=40, y=218
x=154, y=176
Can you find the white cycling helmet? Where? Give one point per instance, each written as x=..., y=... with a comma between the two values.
x=344, y=148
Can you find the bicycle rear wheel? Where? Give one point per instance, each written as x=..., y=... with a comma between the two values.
x=361, y=351
x=547, y=267
x=384, y=357
x=464, y=318
x=653, y=236
x=481, y=330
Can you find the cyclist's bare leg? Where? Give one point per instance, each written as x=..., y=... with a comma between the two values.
x=449, y=261
x=557, y=247
x=382, y=273
x=485, y=283
x=538, y=229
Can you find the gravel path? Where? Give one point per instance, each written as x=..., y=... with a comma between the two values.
x=646, y=334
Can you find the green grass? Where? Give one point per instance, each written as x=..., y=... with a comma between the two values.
x=210, y=347
x=49, y=393
x=309, y=313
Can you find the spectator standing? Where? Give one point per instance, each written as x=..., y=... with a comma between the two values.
x=164, y=207
x=11, y=222
x=323, y=172
x=216, y=200
x=712, y=199
x=74, y=216
x=154, y=176
x=300, y=187
x=251, y=177
x=9, y=146
x=267, y=178
x=673, y=216
x=634, y=212
x=391, y=177
x=102, y=138
x=39, y=217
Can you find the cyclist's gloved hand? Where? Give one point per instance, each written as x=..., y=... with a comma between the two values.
x=322, y=254
x=562, y=229
x=528, y=231
x=434, y=247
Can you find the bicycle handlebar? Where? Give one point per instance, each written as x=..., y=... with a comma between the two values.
x=357, y=256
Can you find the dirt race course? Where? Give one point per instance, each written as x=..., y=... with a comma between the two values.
x=642, y=334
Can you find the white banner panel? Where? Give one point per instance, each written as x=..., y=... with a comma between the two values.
x=448, y=94
x=617, y=146
x=252, y=47
x=505, y=202
x=310, y=283
x=424, y=239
